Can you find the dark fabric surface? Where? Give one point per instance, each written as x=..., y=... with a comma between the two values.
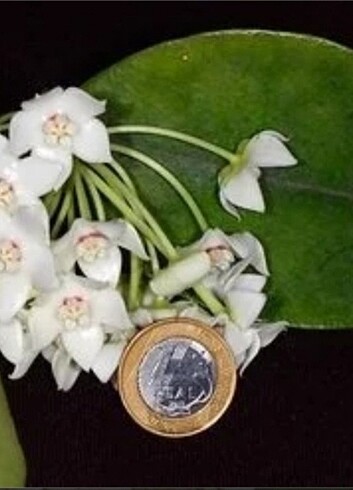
x=291, y=422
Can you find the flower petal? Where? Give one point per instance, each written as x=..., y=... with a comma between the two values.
x=25, y=132
x=181, y=275
x=59, y=156
x=43, y=325
x=3, y=143
x=243, y=190
x=79, y=105
x=107, y=361
x=91, y=144
x=64, y=252
x=11, y=341
x=266, y=149
x=34, y=218
x=83, y=345
x=14, y=292
x=39, y=175
x=64, y=371
x=44, y=104
x=247, y=246
x=268, y=331
x=250, y=282
x=238, y=340
x=245, y=306
x=25, y=363
x=251, y=353
x=109, y=309
x=40, y=266
x=227, y=205
x=124, y=235
x=104, y=269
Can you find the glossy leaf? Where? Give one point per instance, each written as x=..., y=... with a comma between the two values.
x=225, y=87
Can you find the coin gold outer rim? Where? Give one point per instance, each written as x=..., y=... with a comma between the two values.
x=136, y=351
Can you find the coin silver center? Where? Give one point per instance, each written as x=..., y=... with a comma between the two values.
x=177, y=377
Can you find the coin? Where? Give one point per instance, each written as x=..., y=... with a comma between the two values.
x=177, y=377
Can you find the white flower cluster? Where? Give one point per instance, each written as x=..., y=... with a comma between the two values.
x=62, y=299
x=234, y=268
x=77, y=323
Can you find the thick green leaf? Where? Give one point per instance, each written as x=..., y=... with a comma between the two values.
x=225, y=87
x=12, y=464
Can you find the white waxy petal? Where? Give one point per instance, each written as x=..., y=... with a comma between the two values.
x=14, y=292
x=269, y=331
x=34, y=218
x=64, y=371
x=181, y=275
x=49, y=352
x=44, y=326
x=243, y=190
x=238, y=340
x=109, y=310
x=251, y=353
x=250, y=282
x=267, y=149
x=124, y=235
x=79, y=105
x=25, y=132
x=3, y=143
x=247, y=246
x=44, y=104
x=25, y=363
x=228, y=205
x=245, y=306
x=64, y=252
x=39, y=175
x=91, y=143
x=11, y=341
x=83, y=345
x=107, y=361
x=39, y=263
x=105, y=269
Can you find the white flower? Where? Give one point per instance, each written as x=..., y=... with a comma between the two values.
x=213, y=258
x=81, y=314
x=59, y=124
x=246, y=344
x=26, y=262
x=95, y=247
x=241, y=187
x=66, y=371
x=23, y=180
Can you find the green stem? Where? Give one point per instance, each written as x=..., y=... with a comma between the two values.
x=161, y=241
x=119, y=169
x=135, y=279
x=169, y=177
x=83, y=204
x=214, y=305
x=97, y=201
x=177, y=135
x=153, y=257
x=138, y=207
x=121, y=205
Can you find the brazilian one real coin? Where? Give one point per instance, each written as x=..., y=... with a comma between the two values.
x=177, y=377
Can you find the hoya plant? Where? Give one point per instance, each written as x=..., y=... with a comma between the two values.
x=207, y=178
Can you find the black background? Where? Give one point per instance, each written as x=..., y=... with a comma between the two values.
x=292, y=420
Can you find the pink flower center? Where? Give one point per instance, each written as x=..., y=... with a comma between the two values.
x=59, y=129
x=92, y=246
x=10, y=256
x=74, y=311
x=221, y=256
x=7, y=194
